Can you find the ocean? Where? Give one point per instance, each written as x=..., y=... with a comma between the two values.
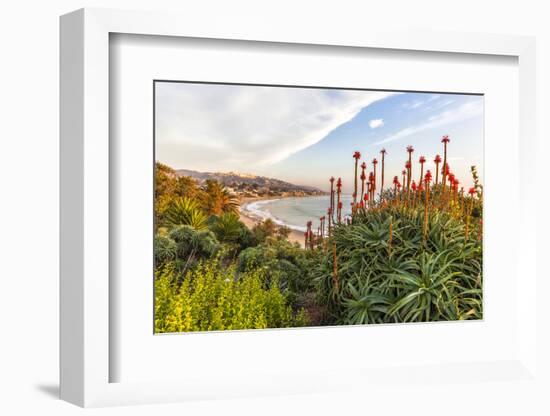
x=294, y=212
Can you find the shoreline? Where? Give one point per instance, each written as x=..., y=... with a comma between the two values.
x=250, y=221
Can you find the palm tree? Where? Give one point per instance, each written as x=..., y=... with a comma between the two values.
x=356, y=156
x=218, y=199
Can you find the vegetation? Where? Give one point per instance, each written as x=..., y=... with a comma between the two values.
x=414, y=254
x=409, y=252
x=214, y=273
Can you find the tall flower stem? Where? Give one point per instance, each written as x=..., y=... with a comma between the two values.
x=445, y=140
x=363, y=178
x=331, y=196
x=427, y=180
x=374, y=163
x=410, y=151
x=356, y=156
x=437, y=161
x=472, y=192
x=383, y=153
x=339, y=203
x=422, y=160
x=329, y=215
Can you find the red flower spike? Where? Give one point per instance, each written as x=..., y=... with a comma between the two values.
x=410, y=149
x=374, y=161
x=472, y=191
x=422, y=159
x=445, y=139
x=407, y=165
x=366, y=197
x=363, y=176
x=437, y=159
x=413, y=185
x=340, y=205
x=428, y=177
x=357, y=155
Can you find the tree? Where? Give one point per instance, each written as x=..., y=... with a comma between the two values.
x=217, y=199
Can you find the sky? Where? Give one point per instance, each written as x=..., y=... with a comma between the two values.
x=306, y=135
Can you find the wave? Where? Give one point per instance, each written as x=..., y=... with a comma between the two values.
x=257, y=209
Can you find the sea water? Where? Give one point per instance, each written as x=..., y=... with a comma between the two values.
x=295, y=212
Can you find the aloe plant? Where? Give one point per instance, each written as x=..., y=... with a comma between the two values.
x=388, y=273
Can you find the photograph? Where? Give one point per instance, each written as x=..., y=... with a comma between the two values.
x=301, y=206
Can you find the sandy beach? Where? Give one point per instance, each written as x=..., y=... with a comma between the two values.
x=250, y=221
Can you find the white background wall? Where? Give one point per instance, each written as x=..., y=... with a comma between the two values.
x=29, y=187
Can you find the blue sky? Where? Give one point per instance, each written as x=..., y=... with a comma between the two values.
x=306, y=135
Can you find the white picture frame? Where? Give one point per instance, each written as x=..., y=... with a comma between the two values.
x=86, y=356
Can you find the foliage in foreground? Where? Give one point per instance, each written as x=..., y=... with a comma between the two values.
x=388, y=272
x=214, y=298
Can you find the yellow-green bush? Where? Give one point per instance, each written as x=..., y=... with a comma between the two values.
x=212, y=298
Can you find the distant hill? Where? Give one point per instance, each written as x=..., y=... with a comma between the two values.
x=252, y=185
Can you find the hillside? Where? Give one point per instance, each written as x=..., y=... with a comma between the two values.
x=247, y=185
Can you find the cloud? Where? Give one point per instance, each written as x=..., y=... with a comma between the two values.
x=378, y=122
x=413, y=105
x=464, y=112
x=231, y=127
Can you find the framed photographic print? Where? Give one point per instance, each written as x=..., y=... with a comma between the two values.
x=273, y=214
x=315, y=233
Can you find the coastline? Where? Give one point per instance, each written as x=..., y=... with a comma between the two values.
x=250, y=221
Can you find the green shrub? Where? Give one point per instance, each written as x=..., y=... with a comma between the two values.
x=215, y=298
x=229, y=229
x=283, y=262
x=184, y=211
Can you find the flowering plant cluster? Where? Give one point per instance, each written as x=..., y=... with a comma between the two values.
x=409, y=252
